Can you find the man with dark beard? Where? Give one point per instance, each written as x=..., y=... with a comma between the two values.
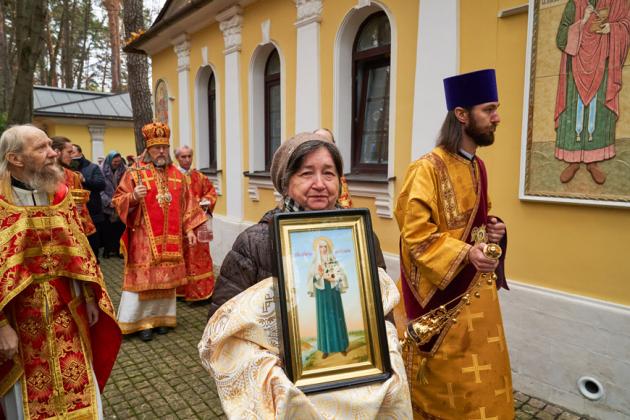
x=154, y=201
x=73, y=180
x=455, y=369
x=54, y=310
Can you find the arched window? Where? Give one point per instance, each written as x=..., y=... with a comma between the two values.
x=212, y=123
x=370, y=99
x=272, y=107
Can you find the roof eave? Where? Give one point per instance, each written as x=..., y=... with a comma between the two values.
x=80, y=116
x=136, y=46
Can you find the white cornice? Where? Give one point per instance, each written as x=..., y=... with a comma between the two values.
x=308, y=11
x=181, y=46
x=265, y=183
x=204, y=17
x=383, y=194
x=231, y=24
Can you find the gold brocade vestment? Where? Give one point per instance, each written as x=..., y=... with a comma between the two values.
x=47, y=275
x=199, y=269
x=153, y=240
x=466, y=374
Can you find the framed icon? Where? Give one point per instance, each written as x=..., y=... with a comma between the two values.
x=332, y=324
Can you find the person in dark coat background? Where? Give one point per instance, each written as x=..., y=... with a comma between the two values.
x=113, y=169
x=94, y=181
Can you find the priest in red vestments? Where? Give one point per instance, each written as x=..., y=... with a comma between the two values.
x=198, y=260
x=154, y=201
x=58, y=334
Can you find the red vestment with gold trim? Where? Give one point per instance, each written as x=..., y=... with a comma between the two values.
x=73, y=181
x=47, y=273
x=153, y=241
x=199, y=267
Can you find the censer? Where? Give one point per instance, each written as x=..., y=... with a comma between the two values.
x=422, y=329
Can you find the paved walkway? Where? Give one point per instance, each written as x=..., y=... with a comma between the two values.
x=164, y=377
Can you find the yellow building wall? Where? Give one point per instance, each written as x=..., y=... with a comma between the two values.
x=283, y=34
x=120, y=139
x=212, y=38
x=164, y=67
x=577, y=249
x=403, y=17
x=78, y=134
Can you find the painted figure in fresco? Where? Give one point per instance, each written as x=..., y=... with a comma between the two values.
x=327, y=280
x=594, y=36
x=161, y=102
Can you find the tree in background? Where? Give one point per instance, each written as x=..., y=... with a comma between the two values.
x=113, y=17
x=5, y=68
x=138, y=71
x=30, y=19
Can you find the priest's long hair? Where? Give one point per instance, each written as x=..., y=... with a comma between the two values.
x=450, y=137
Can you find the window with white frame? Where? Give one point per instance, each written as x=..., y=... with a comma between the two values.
x=212, y=123
x=370, y=95
x=272, y=107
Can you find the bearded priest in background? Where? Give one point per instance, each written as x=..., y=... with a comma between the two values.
x=58, y=335
x=154, y=201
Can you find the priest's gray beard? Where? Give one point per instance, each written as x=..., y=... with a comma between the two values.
x=45, y=179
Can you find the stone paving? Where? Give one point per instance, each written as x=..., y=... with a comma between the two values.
x=164, y=377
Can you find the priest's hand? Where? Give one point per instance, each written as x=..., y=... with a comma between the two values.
x=495, y=230
x=139, y=192
x=482, y=263
x=8, y=342
x=192, y=238
x=92, y=313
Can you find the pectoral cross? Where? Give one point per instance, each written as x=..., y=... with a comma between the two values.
x=49, y=262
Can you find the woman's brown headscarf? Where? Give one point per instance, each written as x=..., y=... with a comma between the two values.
x=282, y=157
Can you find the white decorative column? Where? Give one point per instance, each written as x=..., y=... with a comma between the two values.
x=308, y=71
x=97, y=133
x=435, y=60
x=231, y=24
x=181, y=46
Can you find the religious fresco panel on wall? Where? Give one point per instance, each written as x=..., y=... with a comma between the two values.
x=576, y=129
x=161, y=102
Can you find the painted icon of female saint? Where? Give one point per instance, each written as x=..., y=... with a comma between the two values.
x=327, y=280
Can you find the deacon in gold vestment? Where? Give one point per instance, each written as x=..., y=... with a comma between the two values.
x=463, y=371
x=58, y=335
x=154, y=202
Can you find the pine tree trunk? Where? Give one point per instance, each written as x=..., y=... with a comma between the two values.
x=67, y=53
x=87, y=13
x=113, y=17
x=30, y=21
x=5, y=65
x=54, y=51
x=138, y=73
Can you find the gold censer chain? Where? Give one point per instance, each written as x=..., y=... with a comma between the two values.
x=422, y=329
